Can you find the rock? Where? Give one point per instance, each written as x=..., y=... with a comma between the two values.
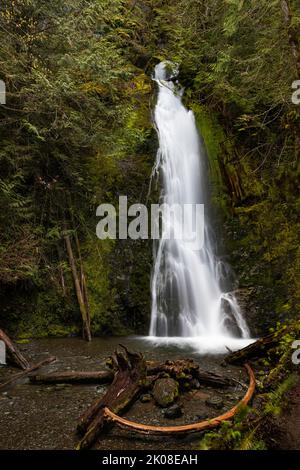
x=173, y=412
x=245, y=297
x=146, y=398
x=195, y=384
x=232, y=398
x=215, y=402
x=165, y=391
x=62, y=386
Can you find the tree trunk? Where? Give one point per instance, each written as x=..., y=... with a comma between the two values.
x=81, y=303
x=257, y=349
x=293, y=39
x=20, y=375
x=73, y=377
x=127, y=384
x=83, y=282
x=15, y=356
x=180, y=370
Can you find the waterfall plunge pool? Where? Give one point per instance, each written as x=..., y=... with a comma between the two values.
x=201, y=345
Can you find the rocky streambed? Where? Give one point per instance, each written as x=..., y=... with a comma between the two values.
x=45, y=416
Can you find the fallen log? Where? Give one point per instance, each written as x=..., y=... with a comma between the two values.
x=113, y=418
x=257, y=349
x=73, y=377
x=23, y=374
x=14, y=355
x=180, y=370
x=214, y=380
x=175, y=369
x=130, y=372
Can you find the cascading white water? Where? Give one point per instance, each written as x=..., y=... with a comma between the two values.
x=187, y=300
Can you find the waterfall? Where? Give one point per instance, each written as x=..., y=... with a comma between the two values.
x=187, y=298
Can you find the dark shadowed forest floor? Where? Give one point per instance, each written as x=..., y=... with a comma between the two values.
x=289, y=422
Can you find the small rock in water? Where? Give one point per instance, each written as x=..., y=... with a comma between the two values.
x=165, y=391
x=174, y=411
x=146, y=398
x=215, y=402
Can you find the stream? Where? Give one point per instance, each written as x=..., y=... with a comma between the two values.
x=45, y=416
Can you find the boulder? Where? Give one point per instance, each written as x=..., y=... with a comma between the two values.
x=173, y=412
x=165, y=391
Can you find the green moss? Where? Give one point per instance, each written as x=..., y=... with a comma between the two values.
x=102, y=296
x=53, y=315
x=118, y=272
x=213, y=135
x=22, y=341
x=259, y=222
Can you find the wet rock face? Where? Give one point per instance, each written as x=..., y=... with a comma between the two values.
x=165, y=391
x=247, y=298
x=173, y=412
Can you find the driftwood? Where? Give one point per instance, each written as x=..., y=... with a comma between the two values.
x=257, y=349
x=175, y=369
x=14, y=355
x=180, y=370
x=130, y=372
x=187, y=369
x=23, y=374
x=113, y=418
x=130, y=379
x=73, y=377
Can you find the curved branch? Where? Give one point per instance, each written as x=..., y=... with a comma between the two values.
x=186, y=428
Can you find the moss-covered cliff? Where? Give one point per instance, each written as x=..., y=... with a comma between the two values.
x=260, y=226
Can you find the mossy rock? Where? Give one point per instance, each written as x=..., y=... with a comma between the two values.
x=165, y=391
